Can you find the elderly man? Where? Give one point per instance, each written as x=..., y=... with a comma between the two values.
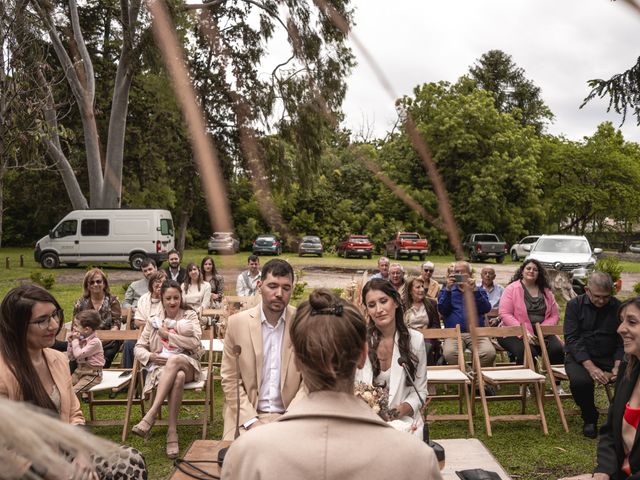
x=383, y=269
x=592, y=345
x=396, y=277
x=451, y=306
x=139, y=287
x=268, y=376
x=494, y=292
x=431, y=287
x=247, y=283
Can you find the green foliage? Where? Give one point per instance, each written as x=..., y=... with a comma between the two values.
x=610, y=265
x=300, y=286
x=636, y=288
x=45, y=280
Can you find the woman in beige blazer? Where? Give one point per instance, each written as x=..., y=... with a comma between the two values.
x=31, y=371
x=390, y=340
x=170, y=348
x=330, y=433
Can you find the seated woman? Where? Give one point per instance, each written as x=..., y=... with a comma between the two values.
x=618, y=456
x=97, y=296
x=196, y=293
x=212, y=277
x=390, y=340
x=149, y=305
x=422, y=312
x=528, y=300
x=169, y=372
x=318, y=432
x=30, y=371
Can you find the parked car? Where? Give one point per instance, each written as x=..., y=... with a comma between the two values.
x=407, y=244
x=267, y=245
x=310, y=245
x=634, y=247
x=517, y=249
x=481, y=246
x=105, y=235
x=355, y=246
x=566, y=253
x=223, y=242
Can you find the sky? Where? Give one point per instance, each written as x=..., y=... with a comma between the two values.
x=560, y=44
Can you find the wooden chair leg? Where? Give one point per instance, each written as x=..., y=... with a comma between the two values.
x=459, y=399
x=485, y=407
x=469, y=403
x=523, y=393
x=556, y=396
x=539, y=392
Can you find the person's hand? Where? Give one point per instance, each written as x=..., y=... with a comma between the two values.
x=139, y=323
x=256, y=424
x=158, y=359
x=215, y=296
x=614, y=374
x=598, y=375
x=83, y=468
x=163, y=332
x=451, y=279
x=404, y=410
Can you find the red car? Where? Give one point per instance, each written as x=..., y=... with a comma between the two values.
x=355, y=246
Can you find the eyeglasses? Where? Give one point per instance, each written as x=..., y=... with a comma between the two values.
x=95, y=282
x=44, y=321
x=428, y=270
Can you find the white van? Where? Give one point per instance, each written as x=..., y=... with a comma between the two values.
x=103, y=235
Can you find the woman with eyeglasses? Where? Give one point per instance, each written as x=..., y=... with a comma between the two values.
x=96, y=296
x=528, y=300
x=31, y=371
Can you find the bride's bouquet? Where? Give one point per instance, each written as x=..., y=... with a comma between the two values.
x=377, y=397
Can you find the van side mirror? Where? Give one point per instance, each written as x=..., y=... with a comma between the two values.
x=51, y=234
x=597, y=251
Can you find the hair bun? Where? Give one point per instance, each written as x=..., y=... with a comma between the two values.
x=321, y=299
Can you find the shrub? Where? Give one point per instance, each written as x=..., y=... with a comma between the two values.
x=636, y=288
x=610, y=265
x=46, y=281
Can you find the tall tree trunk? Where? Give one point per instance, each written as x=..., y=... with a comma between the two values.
x=183, y=223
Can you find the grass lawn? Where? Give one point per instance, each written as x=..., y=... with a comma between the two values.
x=520, y=447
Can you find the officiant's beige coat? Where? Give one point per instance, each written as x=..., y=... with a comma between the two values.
x=244, y=329
x=326, y=436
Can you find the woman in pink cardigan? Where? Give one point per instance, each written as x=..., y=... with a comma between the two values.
x=528, y=299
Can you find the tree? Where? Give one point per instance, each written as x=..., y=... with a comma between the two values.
x=496, y=73
x=487, y=159
x=623, y=90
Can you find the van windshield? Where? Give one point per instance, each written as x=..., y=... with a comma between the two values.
x=166, y=226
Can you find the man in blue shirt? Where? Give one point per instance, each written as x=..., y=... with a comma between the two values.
x=451, y=306
x=494, y=292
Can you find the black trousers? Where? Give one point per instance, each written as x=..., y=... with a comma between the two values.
x=515, y=346
x=582, y=385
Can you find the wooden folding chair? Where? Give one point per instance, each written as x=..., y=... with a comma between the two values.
x=113, y=380
x=205, y=384
x=558, y=372
x=451, y=375
x=522, y=375
x=216, y=345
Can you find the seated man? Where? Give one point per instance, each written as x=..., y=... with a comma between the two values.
x=592, y=345
x=451, y=306
x=383, y=269
x=494, y=292
x=396, y=277
x=247, y=283
x=269, y=378
x=139, y=287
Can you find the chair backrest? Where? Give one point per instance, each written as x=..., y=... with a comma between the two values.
x=443, y=333
x=502, y=332
x=118, y=334
x=550, y=329
x=235, y=304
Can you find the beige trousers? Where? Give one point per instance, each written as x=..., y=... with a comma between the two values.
x=486, y=351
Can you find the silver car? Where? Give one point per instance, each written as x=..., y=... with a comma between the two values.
x=566, y=253
x=310, y=245
x=223, y=242
x=517, y=249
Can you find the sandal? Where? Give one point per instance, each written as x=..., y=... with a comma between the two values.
x=173, y=449
x=143, y=429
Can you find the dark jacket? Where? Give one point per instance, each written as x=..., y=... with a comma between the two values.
x=591, y=332
x=610, y=446
x=182, y=273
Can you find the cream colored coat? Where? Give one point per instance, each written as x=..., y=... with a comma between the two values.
x=329, y=435
x=399, y=392
x=245, y=329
